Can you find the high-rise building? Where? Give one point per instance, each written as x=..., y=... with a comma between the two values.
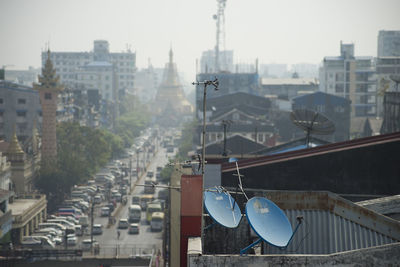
x=389, y=44
x=207, y=61
x=99, y=69
x=49, y=89
x=350, y=77
x=19, y=108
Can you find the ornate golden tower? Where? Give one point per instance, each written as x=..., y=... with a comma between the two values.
x=48, y=88
x=170, y=102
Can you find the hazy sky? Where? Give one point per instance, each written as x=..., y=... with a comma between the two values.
x=279, y=31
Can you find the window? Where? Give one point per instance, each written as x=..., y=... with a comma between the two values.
x=1, y=100
x=47, y=95
x=21, y=113
x=320, y=108
x=21, y=101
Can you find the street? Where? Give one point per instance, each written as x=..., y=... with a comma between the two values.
x=146, y=242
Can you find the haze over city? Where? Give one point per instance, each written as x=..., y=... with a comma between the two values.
x=273, y=31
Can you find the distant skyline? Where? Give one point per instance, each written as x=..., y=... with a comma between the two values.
x=274, y=31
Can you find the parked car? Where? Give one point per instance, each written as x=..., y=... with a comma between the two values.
x=86, y=244
x=72, y=240
x=123, y=224
x=133, y=228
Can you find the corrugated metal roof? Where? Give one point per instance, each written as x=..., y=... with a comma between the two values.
x=324, y=232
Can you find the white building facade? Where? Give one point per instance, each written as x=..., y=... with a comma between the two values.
x=351, y=77
x=97, y=69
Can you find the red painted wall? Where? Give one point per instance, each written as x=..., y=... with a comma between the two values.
x=191, y=211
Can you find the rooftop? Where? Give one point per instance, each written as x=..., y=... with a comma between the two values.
x=21, y=205
x=289, y=81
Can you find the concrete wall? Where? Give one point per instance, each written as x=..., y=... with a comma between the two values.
x=387, y=255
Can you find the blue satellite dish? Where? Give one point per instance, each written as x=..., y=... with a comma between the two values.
x=269, y=222
x=222, y=207
x=232, y=160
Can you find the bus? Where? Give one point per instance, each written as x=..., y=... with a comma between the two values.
x=152, y=207
x=144, y=199
x=136, y=199
x=157, y=221
x=148, y=188
x=135, y=213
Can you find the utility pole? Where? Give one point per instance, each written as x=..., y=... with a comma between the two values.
x=137, y=163
x=130, y=174
x=91, y=226
x=214, y=83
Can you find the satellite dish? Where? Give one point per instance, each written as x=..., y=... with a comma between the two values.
x=232, y=160
x=222, y=208
x=269, y=222
x=312, y=122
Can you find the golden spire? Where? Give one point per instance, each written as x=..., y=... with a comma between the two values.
x=14, y=148
x=48, y=81
x=171, y=56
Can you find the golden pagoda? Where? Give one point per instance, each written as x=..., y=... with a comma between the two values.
x=170, y=99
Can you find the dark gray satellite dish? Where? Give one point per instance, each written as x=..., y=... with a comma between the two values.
x=312, y=122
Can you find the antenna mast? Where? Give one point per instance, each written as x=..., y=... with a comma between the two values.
x=220, y=38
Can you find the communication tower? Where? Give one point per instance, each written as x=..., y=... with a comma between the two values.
x=220, y=35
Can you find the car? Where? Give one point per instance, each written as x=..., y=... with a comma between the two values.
x=97, y=229
x=72, y=240
x=133, y=228
x=111, y=206
x=86, y=244
x=105, y=212
x=97, y=199
x=123, y=224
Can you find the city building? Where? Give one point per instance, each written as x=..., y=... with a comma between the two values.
x=24, y=166
x=229, y=83
x=5, y=217
x=147, y=81
x=287, y=88
x=235, y=146
x=207, y=61
x=350, y=77
x=306, y=70
x=359, y=168
x=391, y=113
x=19, y=107
x=98, y=69
x=171, y=106
x=273, y=70
x=237, y=113
x=48, y=89
x=335, y=108
x=389, y=43
x=28, y=210
x=5, y=194
x=388, y=78
x=23, y=77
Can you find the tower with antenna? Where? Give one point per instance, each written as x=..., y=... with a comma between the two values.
x=220, y=34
